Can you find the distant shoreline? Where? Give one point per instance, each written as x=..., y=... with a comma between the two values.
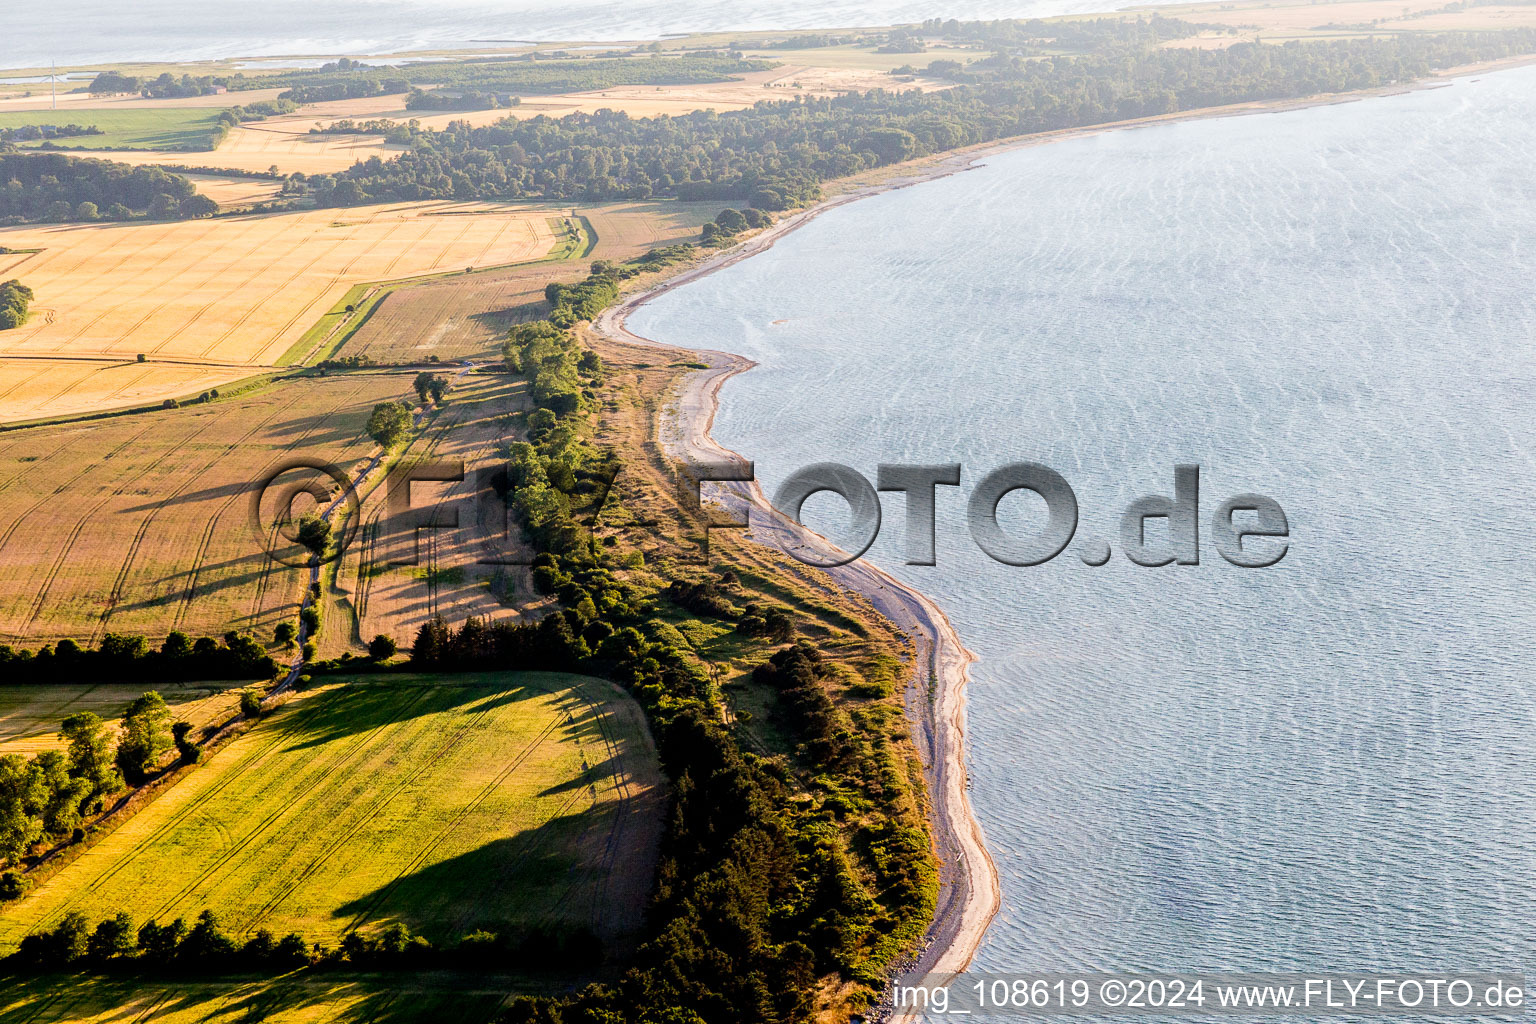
x=970, y=895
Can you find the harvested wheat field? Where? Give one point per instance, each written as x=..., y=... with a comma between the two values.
x=234, y=293
x=447, y=803
x=290, y=149
x=454, y=550
x=232, y=192
x=35, y=388
x=30, y=715
x=468, y=317
x=140, y=524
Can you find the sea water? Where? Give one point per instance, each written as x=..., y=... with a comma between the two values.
x=82, y=31
x=1323, y=765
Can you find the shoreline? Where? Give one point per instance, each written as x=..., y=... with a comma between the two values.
x=969, y=896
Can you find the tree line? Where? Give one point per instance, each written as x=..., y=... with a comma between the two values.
x=119, y=656
x=462, y=99
x=774, y=153
x=43, y=132
x=173, y=949
x=51, y=188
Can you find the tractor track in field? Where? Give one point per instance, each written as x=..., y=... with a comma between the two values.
x=61, y=488
x=443, y=746
x=185, y=605
x=41, y=600
x=193, y=808
x=115, y=596
x=464, y=812
x=298, y=803
x=604, y=870
x=256, y=306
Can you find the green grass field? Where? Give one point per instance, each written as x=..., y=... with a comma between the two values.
x=30, y=715
x=327, y=997
x=183, y=128
x=498, y=800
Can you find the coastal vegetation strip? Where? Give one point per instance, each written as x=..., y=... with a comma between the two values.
x=775, y=154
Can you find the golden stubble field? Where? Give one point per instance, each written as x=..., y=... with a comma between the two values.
x=468, y=317
x=437, y=547
x=142, y=524
x=209, y=301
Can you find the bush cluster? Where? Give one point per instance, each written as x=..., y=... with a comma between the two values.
x=15, y=298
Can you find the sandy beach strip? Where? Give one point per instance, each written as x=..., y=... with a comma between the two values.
x=969, y=896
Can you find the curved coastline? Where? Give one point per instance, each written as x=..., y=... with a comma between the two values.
x=970, y=895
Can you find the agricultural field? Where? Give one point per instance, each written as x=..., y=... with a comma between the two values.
x=145, y=128
x=469, y=316
x=329, y=997
x=1302, y=19
x=140, y=524
x=232, y=192
x=32, y=388
x=230, y=295
x=396, y=574
x=378, y=999
x=496, y=800
x=73, y=97
x=30, y=714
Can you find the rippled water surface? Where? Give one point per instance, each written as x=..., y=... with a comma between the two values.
x=1325, y=764
x=78, y=31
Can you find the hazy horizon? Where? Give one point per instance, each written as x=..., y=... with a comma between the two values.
x=92, y=31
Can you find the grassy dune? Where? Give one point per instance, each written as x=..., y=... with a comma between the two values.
x=499, y=800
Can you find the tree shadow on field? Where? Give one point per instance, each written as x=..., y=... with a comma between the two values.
x=509, y=884
x=302, y=995
x=382, y=700
x=340, y=429
x=193, y=497
x=593, y=775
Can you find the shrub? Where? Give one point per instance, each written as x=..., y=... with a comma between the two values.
x=250, y=702
x=13, y=885
x=190, y=752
